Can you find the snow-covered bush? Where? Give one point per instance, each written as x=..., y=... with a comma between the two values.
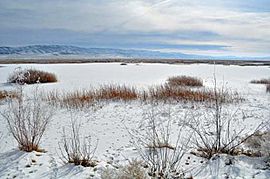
x=134, y=170
x=27, y=120
x=31, y=76
x=77, y=149
x=159, y=149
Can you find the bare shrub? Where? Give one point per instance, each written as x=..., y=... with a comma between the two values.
x=8, y=95
x=27, y=121
x=77, y=149
x=268, y=88
x=159, y=149
x=133, y=170
x=185, y=81
x=219, y=131
x=261, y=81
x=31, y=76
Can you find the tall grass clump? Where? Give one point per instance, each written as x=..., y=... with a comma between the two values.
x=117, y=92
x=90, y=97
x=31, y=76
x=171, y=93
x=185, y=81
x=27, y=121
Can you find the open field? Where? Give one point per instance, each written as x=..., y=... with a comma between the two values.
x=117, y=126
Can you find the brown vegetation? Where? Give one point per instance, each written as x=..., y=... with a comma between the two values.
x=185, y=81
x=31, y=76
x=117, y=92
x=164, y=93
x=8, y=94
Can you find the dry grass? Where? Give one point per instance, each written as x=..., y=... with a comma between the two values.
x=117, y=92
x=8, y=95
x=31, y=76
x=167, y=92
x=164, y=93
x=185, y=81
x=261, y=81
x=86, y=98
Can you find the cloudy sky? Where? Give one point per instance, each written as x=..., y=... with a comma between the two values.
x=207, y=27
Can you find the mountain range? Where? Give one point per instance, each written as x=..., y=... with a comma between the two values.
x=52, y=51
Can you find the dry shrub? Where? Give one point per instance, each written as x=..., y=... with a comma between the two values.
x=77, y=149
x=261, y=81
x=31, y=76
x=8, y=95
x=268, y=88
x=117, y=92
x=217, y=130
x=27, y=121
x=160, y=147
x=185, y=81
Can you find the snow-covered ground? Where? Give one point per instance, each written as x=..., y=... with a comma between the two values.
x=109, y=122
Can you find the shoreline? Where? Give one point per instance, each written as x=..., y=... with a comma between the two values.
x=126, y=61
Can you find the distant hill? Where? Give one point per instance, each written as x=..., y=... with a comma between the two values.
x=48, y=51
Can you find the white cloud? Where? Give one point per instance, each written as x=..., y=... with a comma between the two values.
x=244, y=31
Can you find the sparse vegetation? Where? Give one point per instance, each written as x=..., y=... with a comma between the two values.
x=185, y=81
x=31, y=76
x=27, y=121
x=261, y=81
x=215, y=130
x=77, y=149
x=161, y=154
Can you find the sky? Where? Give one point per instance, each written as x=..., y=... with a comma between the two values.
x=203, y=27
